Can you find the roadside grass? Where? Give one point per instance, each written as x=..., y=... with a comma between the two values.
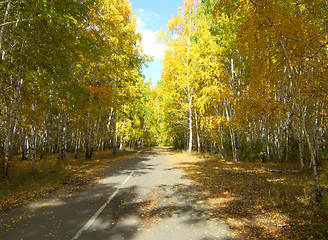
x=257, y=203
x=26, y=183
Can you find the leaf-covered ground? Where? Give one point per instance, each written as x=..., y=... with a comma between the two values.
x=258, y=203
x=26, y=183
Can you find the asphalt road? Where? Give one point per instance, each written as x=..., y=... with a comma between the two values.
x=143, y=197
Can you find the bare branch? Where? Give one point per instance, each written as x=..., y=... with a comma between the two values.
x=14, y=22
x=319, y=49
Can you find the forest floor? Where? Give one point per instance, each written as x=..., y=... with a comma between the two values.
x=26, y=183
x=253, y=201
x=256, y=200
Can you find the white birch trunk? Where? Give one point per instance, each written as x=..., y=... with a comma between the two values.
x=2, y=29
x=197, y=132
x=190, y=125
x=301, y=147
x=232, y=137
x=87, y=136
x=43, y=143
x=7, y=141
x=280, y=141
x=62, y=137
x=77, y=143
x=264, y=141
x=32, y=149
x=114, y=143
x=144, y=128
x=121, y=135
x=287, y=138
x=95, y=137
x=9, y=125
x=313, y=160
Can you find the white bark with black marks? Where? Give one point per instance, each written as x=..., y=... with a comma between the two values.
x=114, y=143
x=62, y=137
x=32, y=146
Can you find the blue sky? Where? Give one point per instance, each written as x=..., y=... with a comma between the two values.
x=152, y=17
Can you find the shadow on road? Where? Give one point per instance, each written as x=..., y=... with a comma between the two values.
x=157, y=200
x=173, y=204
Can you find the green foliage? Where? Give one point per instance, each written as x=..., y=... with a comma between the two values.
x=324, y=173
x=251, y=150
x=259, y=82
x=66, y=68
x=324, y=180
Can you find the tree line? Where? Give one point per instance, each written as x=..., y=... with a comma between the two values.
x=249, y=79
x=70, y=79
x=244, y=78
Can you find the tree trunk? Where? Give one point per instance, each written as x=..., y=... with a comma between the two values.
x=265, y=143
x=95, y=137
x=32, y=147
x=62, y=138
x=87, y=137
x=2, y=29
x=197, y=131
x=9, y=125
x=190, y=125
x=232, y=137
x=114, y=133
x=23, y=144
x=317, y=137
x=77, y=144
x=301, y=147
x=313, y=160
x=287, y=140
x=142, y=141
x=43, y=142
x=280, y=142
x=121, y=135
x=7, y=143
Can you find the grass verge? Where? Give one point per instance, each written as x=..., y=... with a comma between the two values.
x=257, y=203
x=26, y=183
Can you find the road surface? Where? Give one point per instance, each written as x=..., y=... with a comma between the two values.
x=143, y=197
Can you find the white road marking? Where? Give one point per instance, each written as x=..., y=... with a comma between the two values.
x=95, y=216
x=127, y=178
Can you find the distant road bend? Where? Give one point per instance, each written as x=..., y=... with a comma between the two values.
x=143, y=197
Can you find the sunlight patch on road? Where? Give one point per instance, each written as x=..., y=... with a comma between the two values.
x=46, y=203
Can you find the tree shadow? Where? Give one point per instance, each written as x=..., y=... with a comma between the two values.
x=129, y=213
x=235, y=190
